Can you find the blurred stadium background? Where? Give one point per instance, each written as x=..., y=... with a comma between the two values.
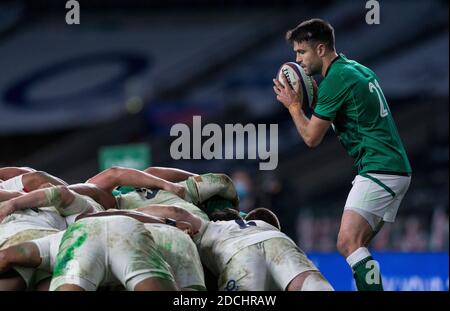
x=75, y=99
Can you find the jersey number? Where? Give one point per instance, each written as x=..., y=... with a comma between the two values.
x=383, y=105
x=243, y=224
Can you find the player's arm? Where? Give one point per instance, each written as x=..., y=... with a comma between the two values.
x=39, y=179
x=10, y=172
x=173, y=212
x=208, y=185
x=142, y=217
x=170, y=174
x=7, y=195
x=121, y=176
x=23, y=254
x=58, y=196
x=311, y=130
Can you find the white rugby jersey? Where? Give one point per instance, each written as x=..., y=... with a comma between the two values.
x=221, y=240
x=45, y=218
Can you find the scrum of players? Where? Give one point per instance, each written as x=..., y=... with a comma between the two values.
x=162, y=229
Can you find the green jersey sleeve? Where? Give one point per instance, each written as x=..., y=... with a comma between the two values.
x=331, y=96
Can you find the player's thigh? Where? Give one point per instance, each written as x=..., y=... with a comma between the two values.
x=285, y=261
x=309, y=281
x=12, y=281
x=132, y=253
x=376, y=197
x=81, y=257
x=245, y=271
x=183, y=257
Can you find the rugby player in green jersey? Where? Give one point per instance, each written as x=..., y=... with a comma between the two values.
x=350, y=99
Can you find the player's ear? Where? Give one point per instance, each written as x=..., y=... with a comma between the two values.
x=321, y=49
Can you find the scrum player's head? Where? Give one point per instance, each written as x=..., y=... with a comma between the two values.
x=264, y=214
x=224, y=215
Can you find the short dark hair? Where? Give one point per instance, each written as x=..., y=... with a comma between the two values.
x=264, y=214
x=224, y=214
x=314, y=30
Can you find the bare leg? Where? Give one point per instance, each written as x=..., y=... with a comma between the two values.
x=355, y=232
x=319, y=283
x=354, y=235
x=43, y=285
x=12, y=283
x=156, y=284
x=70, y=288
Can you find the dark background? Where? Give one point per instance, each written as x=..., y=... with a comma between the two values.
x=146, y=65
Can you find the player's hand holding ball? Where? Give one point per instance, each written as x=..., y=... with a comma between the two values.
x=293, y=87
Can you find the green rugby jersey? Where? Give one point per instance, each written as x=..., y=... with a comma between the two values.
x=350, y=96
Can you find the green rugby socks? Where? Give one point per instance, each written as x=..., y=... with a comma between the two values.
x=366, y=270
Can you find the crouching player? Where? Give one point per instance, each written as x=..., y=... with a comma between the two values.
x=96, y=251
x=251, y=254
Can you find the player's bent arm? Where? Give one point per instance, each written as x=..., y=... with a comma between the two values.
x=174, y=212
x=23, y=254
x=102, y=197
x=311, y=130
x=170, y=174
x=39, y=179
x=10, y=172
x=59, y=196
x=121, y=176
x=142, y=217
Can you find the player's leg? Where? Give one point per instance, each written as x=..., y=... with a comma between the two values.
x=70, y=288
x=354, y=233
x=155, y=284
x=309, y=281
x=12, y=281
x=180, y=252
x=133, y=257
x=245, y=271
x=43, y=285
x=290, y=269
x=372, y=200
x=81, y=258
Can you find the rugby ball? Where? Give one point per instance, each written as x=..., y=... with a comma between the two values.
x=300, y=81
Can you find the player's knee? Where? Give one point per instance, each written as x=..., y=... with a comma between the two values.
x=345, y=244
x=316, y=282
x=309, y=281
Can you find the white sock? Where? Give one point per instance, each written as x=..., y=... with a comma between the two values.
x=358, y=255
